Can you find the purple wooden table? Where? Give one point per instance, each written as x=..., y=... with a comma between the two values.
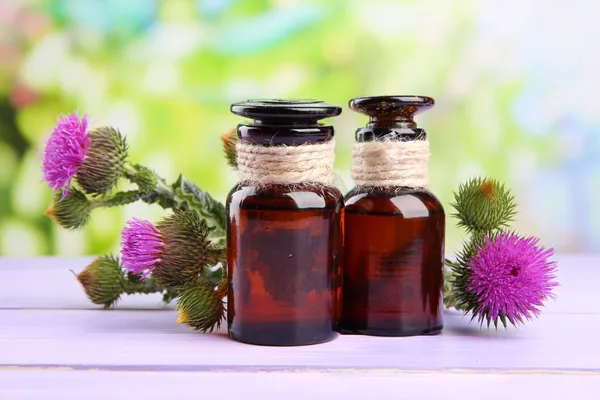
x=55, y=344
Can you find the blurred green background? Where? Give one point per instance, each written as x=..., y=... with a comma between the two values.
x=515, y=85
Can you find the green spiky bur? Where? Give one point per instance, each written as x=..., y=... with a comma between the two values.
x=72, y=212
x=230, y=140
x=104, y=282
x=483, y=205
x=187, y=249
x=146, y=179
x=104, y=163
x=201, y=306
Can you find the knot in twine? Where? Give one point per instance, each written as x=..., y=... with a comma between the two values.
x=391, y=163
x=306, y=163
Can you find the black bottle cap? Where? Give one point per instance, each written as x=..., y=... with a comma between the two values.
x=285, y=112
x=388, y=111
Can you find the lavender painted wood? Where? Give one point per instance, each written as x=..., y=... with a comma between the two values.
x=51, y=284
x=150, y=340
x=29, y=384
x=53, y=324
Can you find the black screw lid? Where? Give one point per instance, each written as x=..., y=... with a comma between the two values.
x=278, y=112
x=392, y=110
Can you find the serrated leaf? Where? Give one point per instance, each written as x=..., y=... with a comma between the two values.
x=209, y=208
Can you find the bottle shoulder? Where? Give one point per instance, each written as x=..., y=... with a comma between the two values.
x=409, y=202
x=285, y=197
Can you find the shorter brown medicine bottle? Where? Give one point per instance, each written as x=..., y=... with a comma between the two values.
x=394, y=226
x=284, y=226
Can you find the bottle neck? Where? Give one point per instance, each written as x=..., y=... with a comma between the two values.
x=391, y=122
x=400, y=134
x=284, y=135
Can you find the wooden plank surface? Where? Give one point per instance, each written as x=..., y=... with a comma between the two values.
x=52, y=336
x=150, y=340
x=105, y=385
x=50, y=284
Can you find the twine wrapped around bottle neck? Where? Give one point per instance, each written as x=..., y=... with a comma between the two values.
x=391, y=163
x=306, y=163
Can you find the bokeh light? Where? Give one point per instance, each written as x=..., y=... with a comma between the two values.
x=514, y=82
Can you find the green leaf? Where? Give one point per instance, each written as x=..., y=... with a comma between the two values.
x=210, y=209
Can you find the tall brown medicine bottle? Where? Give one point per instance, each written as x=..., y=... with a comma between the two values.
x=394, y=226
x=284, y=226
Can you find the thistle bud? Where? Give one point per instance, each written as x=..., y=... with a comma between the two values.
x=230, y=140
x=102, y=280
x=484, y=205
x=175, y=251
x=186, y=250
x=507, y=279
x=104, y=162
x=94, y=158
x=201, y=306
x=144, y=177
x=71, y=211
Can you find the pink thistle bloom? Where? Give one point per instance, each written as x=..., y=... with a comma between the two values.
x=511, y=277
x=141, y=247
x=65, y=151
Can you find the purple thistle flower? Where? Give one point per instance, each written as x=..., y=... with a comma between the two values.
x=65, y=151
x=511, y=276
x=141, y=247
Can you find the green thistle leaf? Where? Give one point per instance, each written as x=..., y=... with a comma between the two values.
x=210, y=209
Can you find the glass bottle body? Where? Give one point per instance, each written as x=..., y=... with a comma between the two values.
x=393, y=262
x=283, y=264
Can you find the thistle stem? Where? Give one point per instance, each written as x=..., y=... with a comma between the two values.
x=119, y=199
x=136, y=285
x=130, y=173
x=156, y=192
x=163, y=189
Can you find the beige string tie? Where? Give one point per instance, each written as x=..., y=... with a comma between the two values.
x=307, y=163
x=391, y=163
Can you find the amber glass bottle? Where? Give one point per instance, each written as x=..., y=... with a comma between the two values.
x=394, y=238
x=283, y=238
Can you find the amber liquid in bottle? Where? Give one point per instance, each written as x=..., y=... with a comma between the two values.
x=282, y=251
x=394, y=242
x=285, y=269
x=393, y=267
